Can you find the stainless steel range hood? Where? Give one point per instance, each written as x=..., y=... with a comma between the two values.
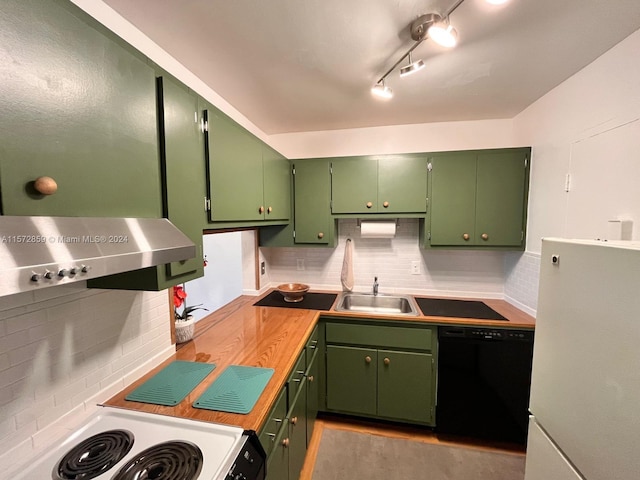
x=39, y=252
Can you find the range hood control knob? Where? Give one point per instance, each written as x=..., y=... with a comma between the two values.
x=73, y=270
x=36, y=277
x=63, y=272
x=48, y=275
x=85, y=268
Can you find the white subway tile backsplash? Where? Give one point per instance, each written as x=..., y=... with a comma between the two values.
x=442, y=272
x=65, y=349
x=522, y=272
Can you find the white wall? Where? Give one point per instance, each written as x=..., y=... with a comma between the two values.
x=63, y=350
x=588, y=127
x=222, y=280
x=426, y=137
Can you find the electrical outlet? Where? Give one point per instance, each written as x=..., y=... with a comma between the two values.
x=299, y=264
x=263, y=268
x=415, y=267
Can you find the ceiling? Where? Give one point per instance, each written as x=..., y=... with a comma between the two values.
x=307, y=65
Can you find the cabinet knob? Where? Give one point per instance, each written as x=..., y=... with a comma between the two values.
x=367, y=359
x=484, y=236
x=385, y=204
x=260, y=209
x=320, y=235
x=269, y=209
x=465, y=236
x=310, y=378
x=294, y=421
x=369, y=204
x=386, y=361
x=285, y=442
x=45, y=185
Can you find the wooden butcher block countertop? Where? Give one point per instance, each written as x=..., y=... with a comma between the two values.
x=270, y=337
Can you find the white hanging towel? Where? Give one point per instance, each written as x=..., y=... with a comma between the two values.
x=347, y=267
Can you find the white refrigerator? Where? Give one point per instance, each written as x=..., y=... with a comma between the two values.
x=585, y=386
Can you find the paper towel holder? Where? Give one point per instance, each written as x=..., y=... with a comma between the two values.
x=359, y=220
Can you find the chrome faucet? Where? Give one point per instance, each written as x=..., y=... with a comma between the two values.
x=375, y=285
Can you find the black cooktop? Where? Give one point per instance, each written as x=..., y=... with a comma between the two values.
x=440, y=307
x=311, y=301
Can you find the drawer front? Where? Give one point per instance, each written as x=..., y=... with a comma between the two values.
x=274, y=423
x=297, y=376
x=312, y=345
x=420, y=338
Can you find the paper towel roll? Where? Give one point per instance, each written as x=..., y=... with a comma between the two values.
x=370, y=229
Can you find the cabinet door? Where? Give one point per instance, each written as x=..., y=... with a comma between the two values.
x=77, y=106
x=452, y=198
x=312, y=395
x=351, y=379
x=354, y=185
x=274, y=423
x=298, y=433
x=312, y=193
x=277, y=185
x=184, y=165
x=405, y=386
x=235, y=171
x=402, y=184
x=278, y=460
x=500, y=198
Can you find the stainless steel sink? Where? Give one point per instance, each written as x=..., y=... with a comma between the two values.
x=377, y=304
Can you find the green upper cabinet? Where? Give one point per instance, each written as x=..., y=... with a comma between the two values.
x=78, y=106
x=312, y=193
x=182, y=160
x=478, y=198
x=248, y=181
x=381, y=184
x=276, y=185
x=313, y=224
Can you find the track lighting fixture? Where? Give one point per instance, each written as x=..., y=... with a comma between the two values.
x=413, y=67
x=443, y=34
x=431, y=25
x=381, y=90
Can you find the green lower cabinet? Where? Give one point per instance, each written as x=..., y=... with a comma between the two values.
x=351, y=379
x=278, y=459
x=381, y=370
x=312, y=395
x=298, y=432
x=405, y=389
x=274, y=423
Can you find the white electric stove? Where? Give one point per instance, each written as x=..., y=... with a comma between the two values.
x=117, y=444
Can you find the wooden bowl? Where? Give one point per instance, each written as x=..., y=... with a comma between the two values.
x=293, y=292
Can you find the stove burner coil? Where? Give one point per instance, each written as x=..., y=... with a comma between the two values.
x=174, y=460
x=94, y=455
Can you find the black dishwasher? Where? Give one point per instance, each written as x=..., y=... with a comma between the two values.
x=484, y=376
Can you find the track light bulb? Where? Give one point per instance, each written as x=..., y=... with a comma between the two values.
x=413, y=67
x=381, y=90
x=443, y=34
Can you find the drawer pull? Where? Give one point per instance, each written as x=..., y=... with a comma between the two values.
x=465, y=236
x=484, y=236
x=386, y=361
x=385, y=204
x=369, y=204
x=272, y=435
x=367, y=359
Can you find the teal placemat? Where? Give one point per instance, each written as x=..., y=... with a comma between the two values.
x=236, y=390
x=171, y=384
